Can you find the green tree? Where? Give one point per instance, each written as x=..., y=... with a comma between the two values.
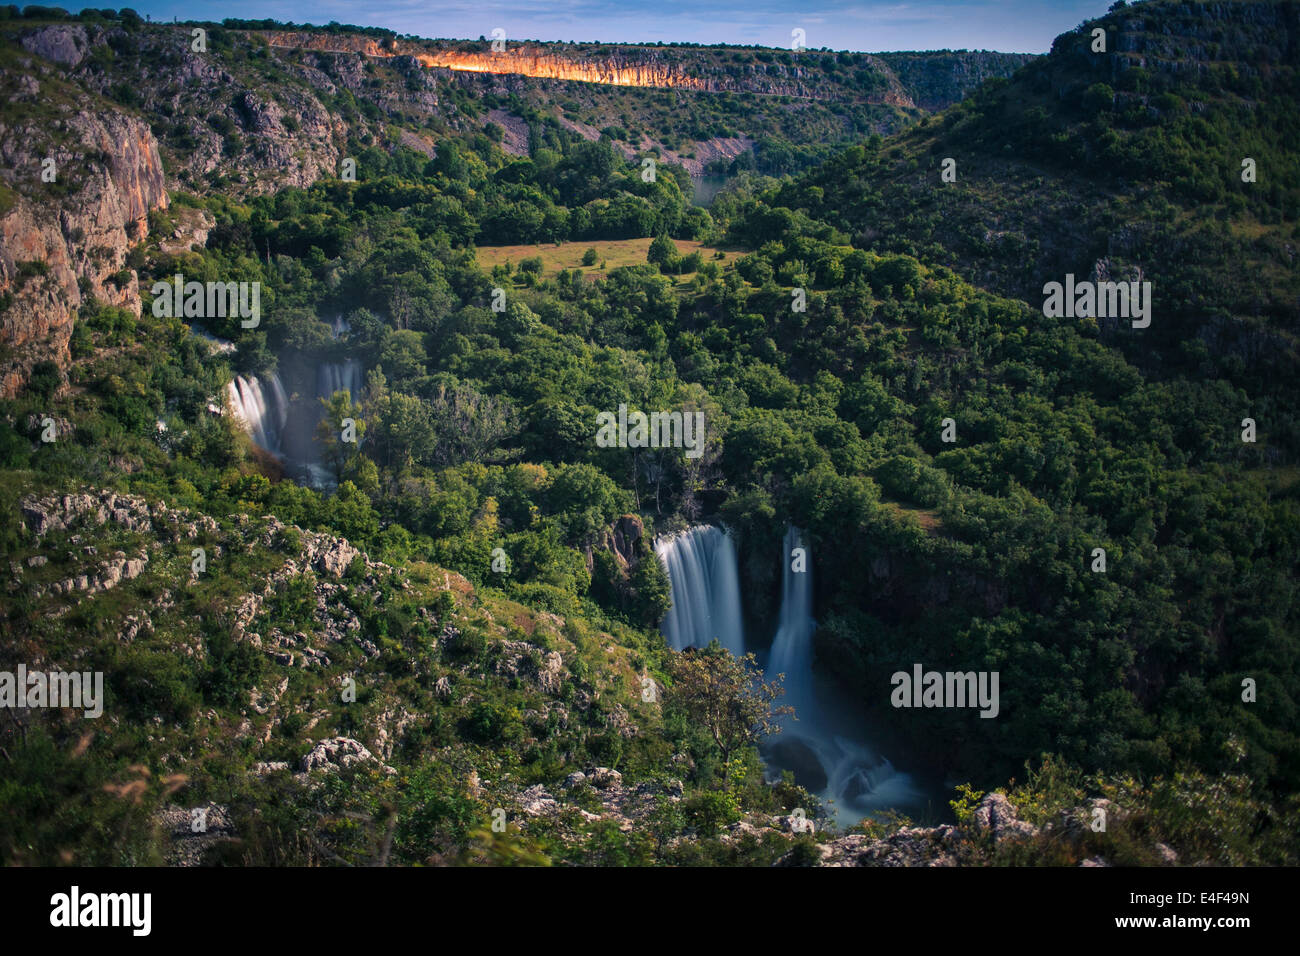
x=340, y=431
x=662, y=251
x=726, y=696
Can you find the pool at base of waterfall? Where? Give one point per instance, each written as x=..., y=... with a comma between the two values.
x=824, y=744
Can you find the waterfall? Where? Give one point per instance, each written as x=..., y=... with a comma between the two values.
x=792, y=652
x=218, y=346
x=701, y=563
x=342, y=376
x=262, y=412
x=824, y=743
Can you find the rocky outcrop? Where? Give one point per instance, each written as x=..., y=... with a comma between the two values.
x=92, y=509
x=994, y=821
x=996, y=817
x=627, y=66
x=62, y=43
x=621, y=540
x=218, y=118
x=931, y=80
x=934, y=80
x=994, y=825
x=327, y=554
x=909, y=846
x=82, y=187
x=110, y=575
x=598, y=794
x=339, y=753
x=336, y=753
x=194, y=831
x=523, y=660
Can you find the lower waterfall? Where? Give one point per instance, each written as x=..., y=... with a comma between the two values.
x=824, y=743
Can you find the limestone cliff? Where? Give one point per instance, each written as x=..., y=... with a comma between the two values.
x=77, y=189
x=620, y=66
x=937, y=79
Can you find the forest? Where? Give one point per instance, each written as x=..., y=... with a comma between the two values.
x=477, y=432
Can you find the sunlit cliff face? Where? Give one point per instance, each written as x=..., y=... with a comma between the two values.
x=522, y=60
x=551, y=67
x=631, y=66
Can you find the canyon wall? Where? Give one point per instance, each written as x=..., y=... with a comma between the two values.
x=629, y=66
x=66, y=239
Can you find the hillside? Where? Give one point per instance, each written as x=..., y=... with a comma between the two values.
x=259, y=110
x=1122, y=164
x=300, y=95
x=367, y=582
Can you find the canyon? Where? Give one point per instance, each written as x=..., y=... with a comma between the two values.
x=629, y=66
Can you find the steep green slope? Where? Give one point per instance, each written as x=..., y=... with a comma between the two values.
x=1123, y=163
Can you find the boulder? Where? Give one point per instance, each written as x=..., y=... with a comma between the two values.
x=603, y=778
x=334, y=753
x=996, y=817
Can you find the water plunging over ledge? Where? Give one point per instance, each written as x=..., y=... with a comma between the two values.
x=825, y=743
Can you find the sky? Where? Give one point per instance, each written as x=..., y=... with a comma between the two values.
x=1011, y=26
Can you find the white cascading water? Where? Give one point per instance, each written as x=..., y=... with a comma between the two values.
x=262, y=411
x=342, y=376
x=792, y=651
x=701, y=563
x=823, y=743
x=219, y=346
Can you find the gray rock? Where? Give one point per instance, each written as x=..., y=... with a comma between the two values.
x=64, y=43
x=334, y=753
x=536, y=801
x=997, y=817
x=602, y=778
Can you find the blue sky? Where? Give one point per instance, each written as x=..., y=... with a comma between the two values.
x=1019, y=26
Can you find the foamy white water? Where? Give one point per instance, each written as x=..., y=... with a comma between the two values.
x=701, y=563
x=825, y=742
x=262, y=411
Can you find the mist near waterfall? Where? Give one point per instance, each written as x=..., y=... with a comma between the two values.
x=825, y=743
x=283, y=419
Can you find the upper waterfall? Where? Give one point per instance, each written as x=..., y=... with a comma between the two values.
x=262, y=410
x=344, y=376
x=701, y=563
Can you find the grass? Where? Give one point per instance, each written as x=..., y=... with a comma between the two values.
x=927, y=518
x=614, y=253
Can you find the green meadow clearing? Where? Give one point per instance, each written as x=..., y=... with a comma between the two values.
x=613, y=253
